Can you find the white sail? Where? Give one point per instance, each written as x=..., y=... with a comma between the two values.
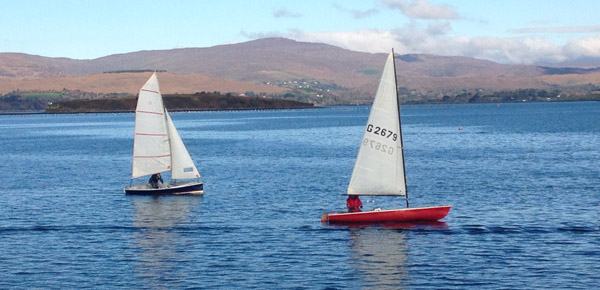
x=151, y=152
x=182, y=165
x=379, y=167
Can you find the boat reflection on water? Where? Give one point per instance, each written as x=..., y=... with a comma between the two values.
x=416, y=225
x=159, y=222
x=380, y=253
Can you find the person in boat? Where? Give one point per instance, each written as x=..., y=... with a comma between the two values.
x=154, y=179
x=353, y=203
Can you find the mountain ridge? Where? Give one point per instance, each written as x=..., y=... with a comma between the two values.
x=321, y=72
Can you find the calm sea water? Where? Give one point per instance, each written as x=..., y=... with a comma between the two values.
x=523, y=180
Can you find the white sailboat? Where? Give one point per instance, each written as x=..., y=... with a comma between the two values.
x=157, y=147
x=379, y=166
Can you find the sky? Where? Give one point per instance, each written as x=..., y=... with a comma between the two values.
x=503, y=31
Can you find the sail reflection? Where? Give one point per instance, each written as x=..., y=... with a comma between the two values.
x=380, y=252
x=158, y=236
x=380, y=255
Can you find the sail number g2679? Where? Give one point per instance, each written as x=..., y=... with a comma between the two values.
x=374, y=144
x=382, y=132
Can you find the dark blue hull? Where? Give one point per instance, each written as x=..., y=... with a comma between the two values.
x=188, y=188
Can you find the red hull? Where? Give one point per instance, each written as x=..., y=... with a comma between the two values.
x=433, y=213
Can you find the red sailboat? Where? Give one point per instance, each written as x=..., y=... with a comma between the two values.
x=379, y=167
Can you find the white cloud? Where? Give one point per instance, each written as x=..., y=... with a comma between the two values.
x=438, y=27
x=413, y=39
x=285, y=13
x=583, y=47
x=433, y=37
x=357, y=14
x=422, y=9
x=511, y=51
x=559, y=29
x=430, y=32
x=366, y=40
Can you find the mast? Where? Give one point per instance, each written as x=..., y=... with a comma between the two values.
x=166, y=119
x=400, y=127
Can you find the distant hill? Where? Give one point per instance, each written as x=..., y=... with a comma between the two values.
x=314, y=72
x=130, y=83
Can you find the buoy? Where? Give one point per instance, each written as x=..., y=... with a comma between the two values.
x=459, y=127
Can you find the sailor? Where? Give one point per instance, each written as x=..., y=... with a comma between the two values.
x=154, y=179
x=353, y=203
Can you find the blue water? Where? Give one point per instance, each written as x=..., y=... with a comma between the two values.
x=523, y=180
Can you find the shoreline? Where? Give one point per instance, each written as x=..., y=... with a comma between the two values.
x=410, y=104
x=177, y=110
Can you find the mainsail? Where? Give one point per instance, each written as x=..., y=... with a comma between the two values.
x=379, y=167
x=157, y=147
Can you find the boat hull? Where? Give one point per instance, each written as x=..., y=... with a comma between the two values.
x=187, y=188
x=433, y=213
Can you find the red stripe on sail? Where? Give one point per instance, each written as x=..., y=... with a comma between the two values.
x=150, y=134
x=155, y=156
x=150, y=91
x=149, y=112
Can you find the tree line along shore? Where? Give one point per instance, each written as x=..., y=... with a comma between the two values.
x=173, y=102
x=64, y=102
